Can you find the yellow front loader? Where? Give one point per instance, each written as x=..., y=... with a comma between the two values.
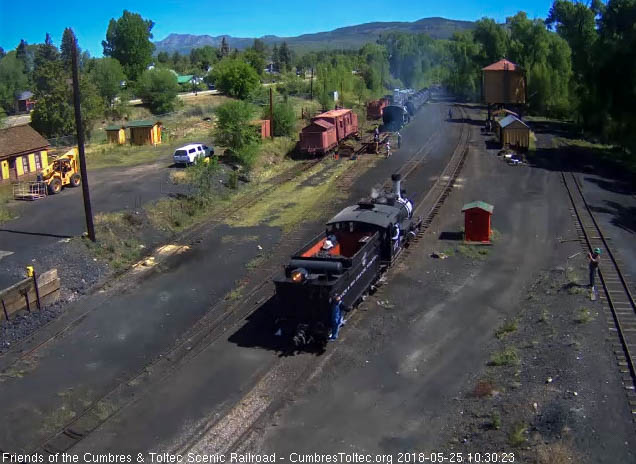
x=62, y=172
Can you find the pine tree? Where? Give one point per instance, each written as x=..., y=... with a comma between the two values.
x=225, y=47
x=66, y=48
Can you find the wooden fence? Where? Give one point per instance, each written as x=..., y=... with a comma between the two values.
x=25, y=295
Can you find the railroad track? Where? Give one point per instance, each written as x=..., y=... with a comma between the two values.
x=205, y=332
x=617, y=297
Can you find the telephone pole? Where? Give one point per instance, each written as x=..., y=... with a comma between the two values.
x=311, y=85
x=88, y=211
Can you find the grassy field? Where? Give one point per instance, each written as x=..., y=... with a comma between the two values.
x=610, y=154
x=6, y=193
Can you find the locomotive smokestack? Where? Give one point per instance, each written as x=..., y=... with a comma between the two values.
x=397, y=181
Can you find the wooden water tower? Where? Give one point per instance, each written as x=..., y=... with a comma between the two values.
x=503, y=83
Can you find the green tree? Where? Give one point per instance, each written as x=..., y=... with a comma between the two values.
x=255, y=59
x=54, y=113
x=235, y=131
x=276, y=59
x=225, y=48
x=233, y=127
x=259, y=47
x=128, y=40
x=493, y=39
x=12, y=80
x=284, y=119
x=163, y=58
x=22, y=54
x=107, y=75
x=66, y=48
x=2, y=53
x=158, y=89
x=46, y=52
x=617, y=72
x=203, y=57
x=284, y=57
x=236, y=78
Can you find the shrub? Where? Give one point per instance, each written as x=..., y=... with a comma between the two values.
x=233, y=128
x=235, y=77
x=284, y=120
x=158, y=89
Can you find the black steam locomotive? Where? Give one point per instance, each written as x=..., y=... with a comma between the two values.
x=359, y=243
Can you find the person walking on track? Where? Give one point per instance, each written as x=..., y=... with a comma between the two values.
x=594, y=260
x=388, y=147
x=399, y=137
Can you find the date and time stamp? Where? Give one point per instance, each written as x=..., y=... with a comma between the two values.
x=412, y=457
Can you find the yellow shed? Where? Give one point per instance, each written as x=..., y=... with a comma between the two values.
x=116, y=134
x=513, y=132
x=503, y=82
x=145, y=132
x=22, y=152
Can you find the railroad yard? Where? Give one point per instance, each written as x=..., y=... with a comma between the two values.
x=296, y=250
x=209, y=377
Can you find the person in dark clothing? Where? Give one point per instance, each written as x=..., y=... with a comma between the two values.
x=594, y=259
x=399, y=137
x=450, y=114
x=336, y=317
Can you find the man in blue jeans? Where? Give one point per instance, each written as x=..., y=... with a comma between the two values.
x=336, y=317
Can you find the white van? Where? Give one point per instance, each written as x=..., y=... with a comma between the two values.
x=188, y=154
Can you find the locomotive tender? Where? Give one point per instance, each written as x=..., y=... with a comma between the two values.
x=364, y=240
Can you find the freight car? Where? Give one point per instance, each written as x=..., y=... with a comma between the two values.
x=365, y=239
x=376, y=107
x=327, y=130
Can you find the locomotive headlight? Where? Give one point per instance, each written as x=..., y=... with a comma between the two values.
x=298, y=275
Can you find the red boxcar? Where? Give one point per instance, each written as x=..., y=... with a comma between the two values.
x=375, y=107
x=318, y=138
x=345, y=122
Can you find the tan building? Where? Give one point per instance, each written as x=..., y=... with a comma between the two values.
x=22, y=151
x=503, y=82
x=116, y=134
x=513, y=132
x=145, y=132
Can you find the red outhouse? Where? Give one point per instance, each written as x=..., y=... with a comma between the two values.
x=477, y=221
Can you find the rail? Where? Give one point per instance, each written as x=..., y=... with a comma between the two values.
x=615, y=287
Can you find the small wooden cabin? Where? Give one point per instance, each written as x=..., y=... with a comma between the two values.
x=503, y=82
x=513, y=132
x=477, y=221
x=116, y=133
x=145, y=132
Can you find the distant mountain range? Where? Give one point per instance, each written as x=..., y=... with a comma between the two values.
x=344, y=37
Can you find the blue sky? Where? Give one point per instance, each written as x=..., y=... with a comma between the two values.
x=242, y=18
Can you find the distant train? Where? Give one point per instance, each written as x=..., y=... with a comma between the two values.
x=326, y=131
x=363, y=240
x=400, y=112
